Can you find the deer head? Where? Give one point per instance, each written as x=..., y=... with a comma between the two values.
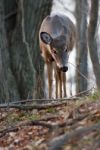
x=57, y=48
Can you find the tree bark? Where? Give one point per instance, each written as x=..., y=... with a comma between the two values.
x=21, y=66
x=92, y=40
x=81, y=46
x=26, y=61
x=8, y=87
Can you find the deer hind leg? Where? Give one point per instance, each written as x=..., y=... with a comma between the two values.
x=56, y=78
x=64, y=83
x=49, y=73
x=60, y=84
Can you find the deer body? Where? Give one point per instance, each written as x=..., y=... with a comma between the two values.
x=56, y=39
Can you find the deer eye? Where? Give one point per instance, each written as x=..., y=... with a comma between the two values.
x=66, y=50
x=54, y=51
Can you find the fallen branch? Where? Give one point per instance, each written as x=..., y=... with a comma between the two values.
x=48, y=118
x=41, y=122
x=44, y=101
x=36, y=106
x=38, y=123
x=59, y=142
x=70, y=122
x=38, y=101
x=30, y=123
x=72, y=98
x=11, y=129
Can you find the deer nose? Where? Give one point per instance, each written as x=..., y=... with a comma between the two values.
x=64, y=69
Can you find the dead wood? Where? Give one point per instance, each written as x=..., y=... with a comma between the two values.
x=29, y=123
x=11, y=129
x=58, y=142
x=35, y=106
x=43, y=100
x=41, y=122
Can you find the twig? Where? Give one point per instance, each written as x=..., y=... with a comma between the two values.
x=93, y=87
x=83, y=92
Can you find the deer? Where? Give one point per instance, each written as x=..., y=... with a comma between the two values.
x=57, y=35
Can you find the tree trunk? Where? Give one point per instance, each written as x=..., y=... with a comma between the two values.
x=41, y=9
x=21, y=66
x=26, y=61
x=81, y=46
x=8, y=87
x=92, y=40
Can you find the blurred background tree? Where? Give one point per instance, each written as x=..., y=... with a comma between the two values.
x=92, y=40
x=81, y=44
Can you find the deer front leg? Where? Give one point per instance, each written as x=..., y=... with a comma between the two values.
x=49, y=73
x=58, y=83
x=56, y=79
x=64, y=83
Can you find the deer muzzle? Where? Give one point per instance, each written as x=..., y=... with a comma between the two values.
x=64, y=69
x=64, y=61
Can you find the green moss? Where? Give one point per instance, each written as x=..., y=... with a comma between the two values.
x=95, y=96
x=33, y=117
x=50, y=110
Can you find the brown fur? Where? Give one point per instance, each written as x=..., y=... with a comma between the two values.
x=62, y=30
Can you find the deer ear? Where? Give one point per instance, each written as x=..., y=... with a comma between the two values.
x=46, y=38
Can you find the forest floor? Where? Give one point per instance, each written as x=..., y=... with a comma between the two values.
x=71, y=126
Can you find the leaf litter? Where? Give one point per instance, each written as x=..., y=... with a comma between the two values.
x=37, y=130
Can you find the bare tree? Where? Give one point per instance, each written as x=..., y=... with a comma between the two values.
x=92, y=40
x=81, y=46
